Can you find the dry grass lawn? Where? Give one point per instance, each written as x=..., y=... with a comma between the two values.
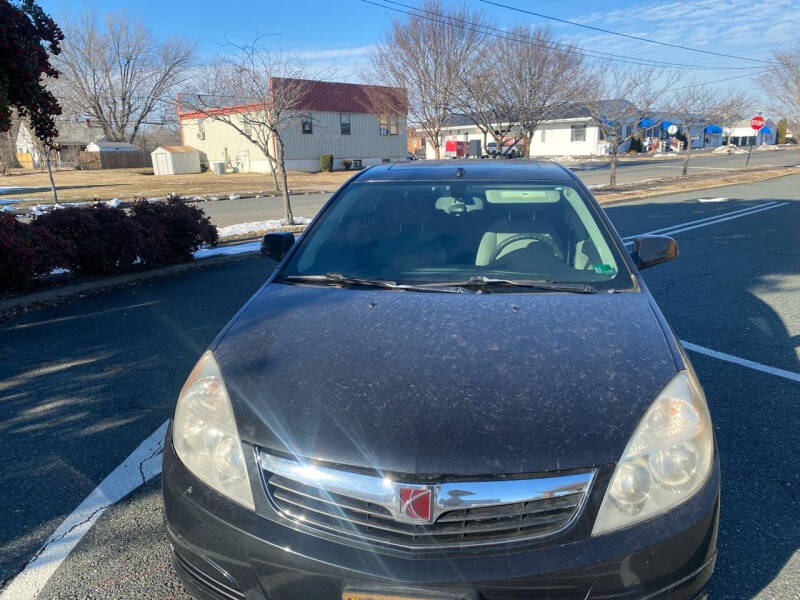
x=77, y=186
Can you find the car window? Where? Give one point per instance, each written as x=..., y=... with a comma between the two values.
x=438, y=232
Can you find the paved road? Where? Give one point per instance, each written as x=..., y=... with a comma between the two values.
x=592, y=172
x=81, y=385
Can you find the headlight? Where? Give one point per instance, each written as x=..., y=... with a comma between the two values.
x=668, y=458
x=204, y=433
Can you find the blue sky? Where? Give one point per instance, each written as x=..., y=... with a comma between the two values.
x=335, y=36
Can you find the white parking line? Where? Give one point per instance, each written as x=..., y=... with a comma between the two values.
x=143, y=464
x=703, y=220
x=628, y=240
x=792, y=376
x=752, y=212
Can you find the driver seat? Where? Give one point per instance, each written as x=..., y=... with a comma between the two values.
x=508, y=227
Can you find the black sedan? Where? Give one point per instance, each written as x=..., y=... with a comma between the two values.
x=455, y=385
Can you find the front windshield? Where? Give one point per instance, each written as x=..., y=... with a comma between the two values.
x=425, y=233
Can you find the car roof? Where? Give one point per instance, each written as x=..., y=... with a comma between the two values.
x=471, y=170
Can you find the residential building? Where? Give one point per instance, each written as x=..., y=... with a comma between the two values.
x=741, y=134
x=73, y=138
x=342, y=119
x=570, y=131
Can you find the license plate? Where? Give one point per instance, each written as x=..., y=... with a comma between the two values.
x=372, y=596
x=360, y=594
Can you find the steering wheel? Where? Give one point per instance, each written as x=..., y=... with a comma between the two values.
x=538, y=237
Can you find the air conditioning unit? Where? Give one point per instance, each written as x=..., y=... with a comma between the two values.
x=356, y=163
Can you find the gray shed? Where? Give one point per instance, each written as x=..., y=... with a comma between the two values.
x=175, y=160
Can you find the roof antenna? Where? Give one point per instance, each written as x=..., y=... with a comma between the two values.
x=459, y=172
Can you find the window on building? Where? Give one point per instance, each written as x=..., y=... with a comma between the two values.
x=389, y=124
x=305, y=122
x=201, y=129
x=344, y=123
x=578, y=133
x=543, y=136
x=246, y=127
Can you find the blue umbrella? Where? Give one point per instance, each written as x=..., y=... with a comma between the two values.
x=645, y=123
x=665, y=125
x=766, y=130
x=713, y=129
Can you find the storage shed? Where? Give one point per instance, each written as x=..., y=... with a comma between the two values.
x=175, y=160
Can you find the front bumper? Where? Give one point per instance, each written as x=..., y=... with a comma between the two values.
x=223, y=550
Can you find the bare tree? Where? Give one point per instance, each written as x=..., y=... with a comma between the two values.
x=782, y=82
x=692, y=104
x=45, y=149
x=117, y=73
x=487, y=99
x=426, y=53
x=619, y=98
x=543, y=76
x=270, y=93
x=731, y=107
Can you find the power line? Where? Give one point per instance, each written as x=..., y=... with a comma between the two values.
x=625, y=35
x=486, y=29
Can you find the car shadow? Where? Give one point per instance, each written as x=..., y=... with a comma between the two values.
x=734, y=289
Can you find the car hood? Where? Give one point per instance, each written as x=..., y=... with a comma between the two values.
x=432, y=383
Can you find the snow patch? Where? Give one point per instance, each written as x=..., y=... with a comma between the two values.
x=255, y=226
x=235, y=249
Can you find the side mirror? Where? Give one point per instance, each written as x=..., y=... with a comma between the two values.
x=649, y=250
x=276, y=245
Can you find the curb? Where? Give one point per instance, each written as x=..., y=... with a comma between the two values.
x=12, y=307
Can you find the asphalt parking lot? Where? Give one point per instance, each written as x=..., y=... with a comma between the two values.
x=82, y=385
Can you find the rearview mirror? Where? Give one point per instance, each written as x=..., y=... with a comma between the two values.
x=276, y=245
x=649, y=250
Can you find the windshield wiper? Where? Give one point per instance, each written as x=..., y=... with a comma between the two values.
x=482, y=282
x=339, y=279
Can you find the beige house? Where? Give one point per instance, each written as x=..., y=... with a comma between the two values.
x=341, y=119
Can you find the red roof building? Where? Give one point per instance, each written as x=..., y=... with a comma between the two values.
x=359, y=124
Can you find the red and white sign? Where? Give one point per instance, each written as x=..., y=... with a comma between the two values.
x=757, y=122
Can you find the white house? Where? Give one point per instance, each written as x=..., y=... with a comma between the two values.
x=570, y=131
x=341, y=119
x=73, y=137
x=742, y=134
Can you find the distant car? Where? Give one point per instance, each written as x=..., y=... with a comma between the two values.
x=504, y=152
x=454, y=386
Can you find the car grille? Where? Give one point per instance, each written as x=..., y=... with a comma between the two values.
x=317, y=507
